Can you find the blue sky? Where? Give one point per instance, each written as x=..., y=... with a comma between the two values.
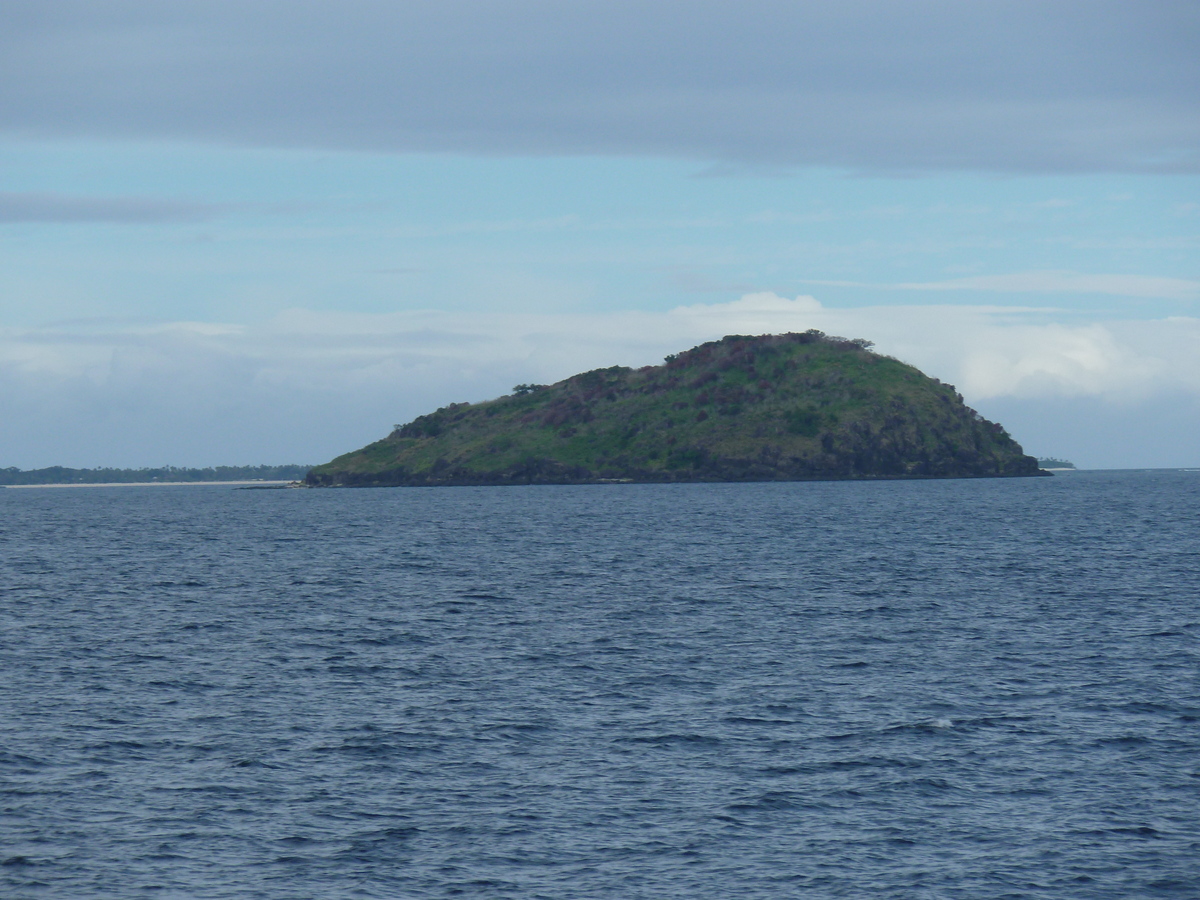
x=236, y=234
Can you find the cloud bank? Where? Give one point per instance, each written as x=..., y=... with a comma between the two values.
x=307, y=385
x=1013, y=85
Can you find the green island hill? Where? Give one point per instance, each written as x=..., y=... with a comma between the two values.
x=786, y=407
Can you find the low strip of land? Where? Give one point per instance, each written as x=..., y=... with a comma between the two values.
x=63, y=476
x=97, y=484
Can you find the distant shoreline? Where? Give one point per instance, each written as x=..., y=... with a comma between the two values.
x=98, y=484
x=65, y=475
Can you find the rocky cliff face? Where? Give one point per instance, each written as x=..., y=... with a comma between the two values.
x=770, y=408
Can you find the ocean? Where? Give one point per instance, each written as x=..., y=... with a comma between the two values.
x=892, y=689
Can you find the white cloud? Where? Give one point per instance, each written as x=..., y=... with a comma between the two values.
x=307, y=384
x=991, y=351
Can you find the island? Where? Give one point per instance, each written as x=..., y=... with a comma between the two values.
x=1055, y=464
x=785, y=407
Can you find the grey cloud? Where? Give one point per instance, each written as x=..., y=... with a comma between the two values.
x=37, y=207
x=1015, y=85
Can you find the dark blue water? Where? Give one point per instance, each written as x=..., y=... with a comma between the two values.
x=958, y=689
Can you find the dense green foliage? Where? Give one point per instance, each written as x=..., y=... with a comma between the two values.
x=61, y=475
x=776, y=407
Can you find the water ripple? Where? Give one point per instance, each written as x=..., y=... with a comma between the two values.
x=901, y=689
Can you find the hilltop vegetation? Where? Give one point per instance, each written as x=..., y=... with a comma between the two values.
x=776, y=407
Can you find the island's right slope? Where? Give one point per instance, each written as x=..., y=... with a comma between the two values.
x=774, y=407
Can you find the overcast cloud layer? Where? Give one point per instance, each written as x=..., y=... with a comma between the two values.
x=1094, y=85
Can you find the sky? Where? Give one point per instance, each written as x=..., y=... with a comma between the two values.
x=266, y=232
